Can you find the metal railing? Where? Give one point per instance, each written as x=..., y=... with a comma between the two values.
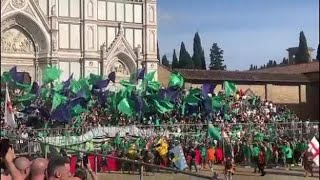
x=140, y=166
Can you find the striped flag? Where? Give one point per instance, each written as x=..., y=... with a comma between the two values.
x=314, y=148
x=8, y=113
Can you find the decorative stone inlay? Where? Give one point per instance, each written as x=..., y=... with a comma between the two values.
x=18, y=3
x=14, y=40
x=121, y=47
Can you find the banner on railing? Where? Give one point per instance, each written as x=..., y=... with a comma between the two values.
x=99, y=132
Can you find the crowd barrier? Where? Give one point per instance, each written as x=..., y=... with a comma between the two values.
x=66, y=137
x=95, y=161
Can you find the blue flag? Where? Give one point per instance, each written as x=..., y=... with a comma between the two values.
x=62, y=114
x=34, y=88
x=208, y=88
x=67, y=82
x=179, y=159
x=17, y=76
x=112, y=77
x=141, y=74
x=101, y=85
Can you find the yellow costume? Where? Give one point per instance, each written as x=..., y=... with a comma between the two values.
x=132, y=151
x=163, y=148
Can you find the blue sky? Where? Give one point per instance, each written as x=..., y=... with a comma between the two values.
x=249, y=31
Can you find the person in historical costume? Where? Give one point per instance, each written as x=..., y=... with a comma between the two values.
x=211, y=156
x=255, y=154
x=132, y=155
x=307, y=162
x=162, y=148
x=262, y=161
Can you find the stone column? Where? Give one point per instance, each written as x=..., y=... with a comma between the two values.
x=36, y=64
x=150, y=36
x=54, y=36
x=103, y=57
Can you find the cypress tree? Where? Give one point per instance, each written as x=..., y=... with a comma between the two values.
x=164, y=61
x=203, y=61
x=158, y=51
x=302, y=55
x=274, y=64
x=284, y=61
x=216, y=58
x=251, y=67
x=197, y=50
x=185, y=60
x=318, y=53
x=175, y=62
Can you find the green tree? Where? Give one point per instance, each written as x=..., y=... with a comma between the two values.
x=318, y=53
x=164, y=61
x=251, y=67
x=175, y=61
x=216, y=58
x=158, y=51
x=185, y=60
x=274, y=64
x=197, y=50
x=302, y=55
x=284, y=61
x=203, y=61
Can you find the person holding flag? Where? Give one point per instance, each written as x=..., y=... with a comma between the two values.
x=8, y=112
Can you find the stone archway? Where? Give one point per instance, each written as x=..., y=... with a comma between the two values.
x=17, y=48
x=24, y=43
x=122, y=64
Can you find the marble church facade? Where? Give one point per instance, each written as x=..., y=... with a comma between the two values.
x=80, y=36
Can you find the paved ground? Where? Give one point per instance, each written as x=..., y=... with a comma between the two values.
x=241, y=174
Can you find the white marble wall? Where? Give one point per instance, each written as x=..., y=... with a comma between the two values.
x=91, y=67
x=111, y=13
x=44, y=6
x=129, y=36
x=65, y=68
x=69, y=68
x=63, y=36
x=74, y=8
x=74, y=36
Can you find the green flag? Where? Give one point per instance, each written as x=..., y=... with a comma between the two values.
x=217, y=102
x=153, y=86
x=126, y=106
x=163, y=106
x=149, y=76
x=94, y=78
x=78, y=109
x=192, y=100
x=214, y=133
x=50, y=74
x=176, y=80
x=229, y=88
x=195, y=91
x=58, y=99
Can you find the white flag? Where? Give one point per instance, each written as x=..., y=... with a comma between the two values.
x=8, y=112
x=314, y=148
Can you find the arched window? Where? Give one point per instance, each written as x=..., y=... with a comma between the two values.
x=90, y=38
x=90, y=8
x=151, y=14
